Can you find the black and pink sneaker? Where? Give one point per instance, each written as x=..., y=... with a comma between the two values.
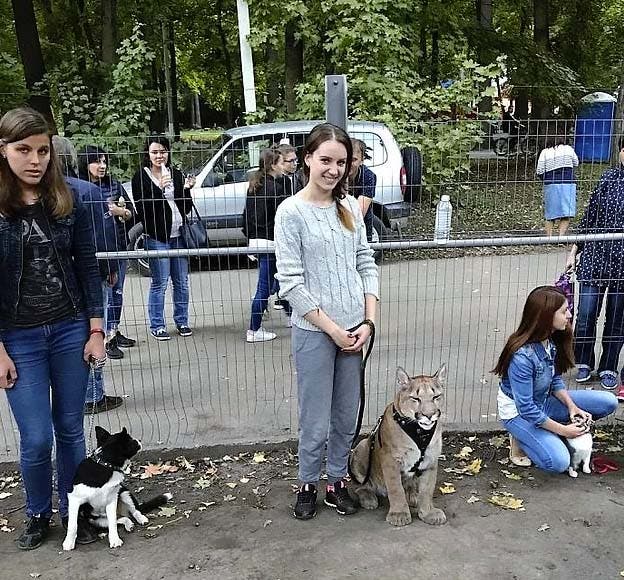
x=337, y=496
x=619, y=393
x=305, y=508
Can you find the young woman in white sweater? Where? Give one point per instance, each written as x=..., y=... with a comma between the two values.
x=326, y=271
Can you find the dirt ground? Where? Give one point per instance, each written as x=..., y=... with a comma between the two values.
x=231, y=518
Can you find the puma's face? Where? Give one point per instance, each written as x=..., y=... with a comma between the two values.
x=420, y=397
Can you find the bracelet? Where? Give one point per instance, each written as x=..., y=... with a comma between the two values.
x=97, y=331
x=369, y=323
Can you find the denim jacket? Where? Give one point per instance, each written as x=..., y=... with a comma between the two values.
x=72, y=237
x=530, y=379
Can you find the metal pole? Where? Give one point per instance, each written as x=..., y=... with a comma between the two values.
x=249, y=88
x=169, y=96
x=336, y=100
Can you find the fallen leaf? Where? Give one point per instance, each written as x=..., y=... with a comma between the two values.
x=185, y=463
x=3, y=521
x=506, y=501
x=498, y=441
x=167, y=511
x=464, y=453
x=473, y=499
x=474, y=467
x=151, y=469
x=267, y=523
x=244, y=480
x=599, y=434
x=34, y=574
x=226, y=458
x=152, y=528
x=510, y=475
x=471, y=439
x=259, y=457
x=187, y=513
x=229, y=497
x=202, y=483
x=447, y=488
x=231, y=485
x=543, y=528
x=7, y=529
x=614, y=449
x=5, y=494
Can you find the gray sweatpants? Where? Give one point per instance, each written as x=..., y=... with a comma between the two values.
x=328, y=383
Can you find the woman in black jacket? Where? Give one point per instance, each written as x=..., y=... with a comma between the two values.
x=267, y=189
x=163, y=200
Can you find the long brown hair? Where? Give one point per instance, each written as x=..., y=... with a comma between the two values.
x=318, y=136
x=268, y=158
x=16, y=125
x=537, y=325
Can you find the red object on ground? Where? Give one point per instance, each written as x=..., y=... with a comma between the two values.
x=602, y=464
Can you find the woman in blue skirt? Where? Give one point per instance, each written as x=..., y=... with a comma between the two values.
x=555, y=167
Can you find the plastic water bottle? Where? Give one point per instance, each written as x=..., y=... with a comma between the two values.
x=444, y=212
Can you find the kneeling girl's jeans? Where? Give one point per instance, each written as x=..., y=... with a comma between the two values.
x=49, y=359
x=547, y=450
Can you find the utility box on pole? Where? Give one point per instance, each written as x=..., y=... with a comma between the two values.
x=336, y=100
x=247, y=68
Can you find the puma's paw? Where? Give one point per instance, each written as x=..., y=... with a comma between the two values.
x=141, y=519
x=128, y=524
x=368, y=500
x=587, y=469
x=69, y=544
x=399, y=518
x=115, y=542
x=412, y=498
x=434, y=517
x=572, y=472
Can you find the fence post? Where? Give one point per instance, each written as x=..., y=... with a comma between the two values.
x=336, y=100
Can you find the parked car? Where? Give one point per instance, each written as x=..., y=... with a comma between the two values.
x=221, y=184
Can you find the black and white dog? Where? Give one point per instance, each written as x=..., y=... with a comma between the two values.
x=98, y=493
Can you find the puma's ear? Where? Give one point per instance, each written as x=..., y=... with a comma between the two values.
x=402, y=378
x=124, y=431
x=101, y=434
x=440, y=375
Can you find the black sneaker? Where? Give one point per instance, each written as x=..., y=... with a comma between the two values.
x=106, y=403
x=34, y=534
x=160, y=334
x=337, y=496
x=86, y=533
x=305, y=508
x=112, y=349
x=184, y=331
x=124, y=341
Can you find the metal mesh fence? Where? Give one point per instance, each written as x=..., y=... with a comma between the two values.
x=440, y=302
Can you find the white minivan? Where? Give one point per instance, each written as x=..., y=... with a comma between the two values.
x=221, y=183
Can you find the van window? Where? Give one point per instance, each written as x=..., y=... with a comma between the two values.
x=241, y=157
x=376, y=148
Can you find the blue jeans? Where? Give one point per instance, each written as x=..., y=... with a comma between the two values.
x=48, y=359
x=95, y=383
x=115, y=299
x=162, y=269
x=547, y=450
x=590, y=303
x=267, y=285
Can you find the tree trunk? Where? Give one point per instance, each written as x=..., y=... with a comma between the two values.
x=272, y=82
x=541, y=36
x=618, y=123
x=435, y=58
x=484, y=22
x=109, y=31
x=227, y=61
x=422, y=58
x=32, y=58
x=174, y=78
x=197, y=122
x=293, y=59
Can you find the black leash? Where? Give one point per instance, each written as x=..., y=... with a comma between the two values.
x=358, y=427
x=371, y=343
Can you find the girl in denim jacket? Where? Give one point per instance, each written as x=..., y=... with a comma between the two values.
x=533, y=402
x=50, y=315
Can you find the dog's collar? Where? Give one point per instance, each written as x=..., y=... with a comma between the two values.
x=96, y=456
x=422, y=437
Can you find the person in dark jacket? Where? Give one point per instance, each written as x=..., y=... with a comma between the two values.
x=50, y=316
x=163, y=201
x=93, y=166
x=362, y=184
x=600, y=273
x=104, y=229
x=266, y=192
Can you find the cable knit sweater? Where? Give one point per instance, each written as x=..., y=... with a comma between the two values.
x=321, y=264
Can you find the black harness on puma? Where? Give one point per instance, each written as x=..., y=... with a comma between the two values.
x=422, y=437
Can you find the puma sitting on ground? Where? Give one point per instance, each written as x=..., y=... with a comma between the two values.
x=400, y=470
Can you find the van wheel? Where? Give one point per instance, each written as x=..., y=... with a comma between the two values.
x=412, y=162
x=501, y=146
x=137, y=242
x=380, y=234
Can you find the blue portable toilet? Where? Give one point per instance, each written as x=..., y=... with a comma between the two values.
x=594, y=125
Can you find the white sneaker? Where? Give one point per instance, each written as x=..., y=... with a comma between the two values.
x=260, y=335
x=289, y=323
